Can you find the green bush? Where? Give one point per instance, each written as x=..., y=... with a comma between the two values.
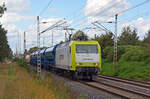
x=126, y=53
x=107, y=68
x=134, y=53
x=133, y=70
x=133, y=62
x=147, y=61
x=130, y=70
x=108, y=52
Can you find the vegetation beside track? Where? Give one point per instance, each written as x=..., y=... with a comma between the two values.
x=59, y=89
x=134, y=63
x=21, y=63
x=17, y=83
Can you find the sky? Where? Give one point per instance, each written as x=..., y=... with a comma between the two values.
x=21, y=17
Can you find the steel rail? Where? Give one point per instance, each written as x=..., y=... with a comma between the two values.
x=103, y=89
x=132, y=82
x=128, y=90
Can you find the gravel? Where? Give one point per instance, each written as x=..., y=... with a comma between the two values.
x=123, y=85
x=84, y=90
x=80, y=89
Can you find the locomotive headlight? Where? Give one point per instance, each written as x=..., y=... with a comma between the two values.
x=78, y=64
x=96, y=64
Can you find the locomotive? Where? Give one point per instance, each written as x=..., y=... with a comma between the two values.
x=77, y=58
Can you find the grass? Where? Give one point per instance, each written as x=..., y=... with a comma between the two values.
x=17, y=83
x=59, y=89
x=83, y=96
x=21, y=63
x=11, y=71
x=128, y=69
x=133, y=63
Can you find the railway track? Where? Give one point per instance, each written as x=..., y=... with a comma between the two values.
x=121, y=87
x=132, y=82
x=105, y=88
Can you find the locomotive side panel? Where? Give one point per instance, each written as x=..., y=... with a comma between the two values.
x=63, y=57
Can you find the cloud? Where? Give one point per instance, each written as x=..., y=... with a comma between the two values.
x=142, y=25
x=12, y=15
x=17, y=6
x=104, y=10
x=12, y=18
x=12, y=29
x=9, y=23
x=59, y=35
x=14, y=10
x=9, y=17
x=12, y=34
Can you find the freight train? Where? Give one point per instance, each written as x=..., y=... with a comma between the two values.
x=77, y=58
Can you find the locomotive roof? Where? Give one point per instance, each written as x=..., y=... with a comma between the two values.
x=70, y=42
x=63, y=44
x=83, y=42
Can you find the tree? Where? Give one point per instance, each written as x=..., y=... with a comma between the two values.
x=128, y=37
x=147, y=38
x=134, y=38
x=2, y=10
x=146, y=43
x=104, y=40
x=79, y=36
x=5, y=50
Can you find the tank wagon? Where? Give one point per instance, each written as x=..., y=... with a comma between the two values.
x=78, y=58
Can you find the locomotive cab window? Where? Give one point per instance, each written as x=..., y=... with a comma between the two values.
x=80, y=48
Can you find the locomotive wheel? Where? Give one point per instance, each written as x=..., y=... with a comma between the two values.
x=91, y=77
x=74, y=75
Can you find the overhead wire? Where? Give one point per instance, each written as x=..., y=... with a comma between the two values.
x=84, y=17
x=105, y=9
x=96, y=9
x=140, y=4
x=132, y=17
x=77, y=12
x=42, y=11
